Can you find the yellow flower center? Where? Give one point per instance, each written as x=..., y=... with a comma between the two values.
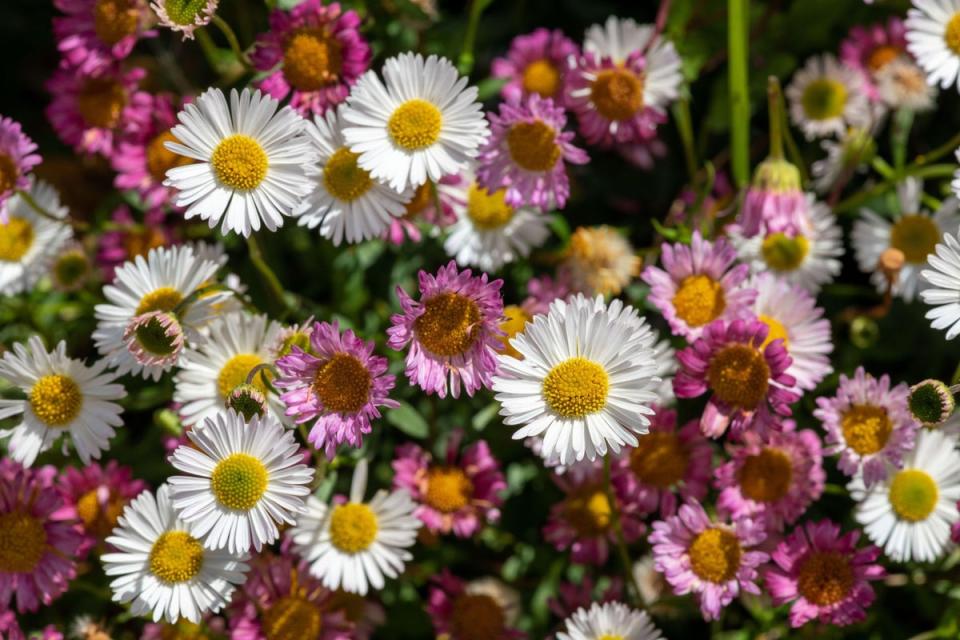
x=312, y=59
x=16, y=238
x=660, y=459
x=715, y=555
x=541, y=77
x=235, y=372
x=739, y=376
x=23, y=541
x=824, y=99
x=866, y=428
x=99, y=520
x=239, y=481
x=776, y=331
x=160, y=159
x=882, y=56
x=699, y=300
x=240, y=162
x=951, y=34
x=516, y=321
x=353, y=527
x=488, y=211
x=448, y=489
x=576, y=388
x=8, y=173
x=825, y=578
x=588, y=511
x=533, y=145
x=784, y=253
x=292, y=618
x=916, y=236
x=100, y=102
x=448, y=324
x=176, y=557
x=913, y=495
x=114, y=20
x=415, y=124
x=183, y=629
x=476, y=616
x=295, y=339
x=617, y=94
x=343, y=384
x=162, y=299
x=344, y=179
x=422, y=199
x=766, y=476
x=56, y=400
x=70, y=268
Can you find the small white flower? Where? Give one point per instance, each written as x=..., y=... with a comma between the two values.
x=29, y=241
x=609, y=620
x=826, y=97
x=933, y=38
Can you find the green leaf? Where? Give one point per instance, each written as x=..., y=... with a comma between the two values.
x=483, y=417
x=408, y=420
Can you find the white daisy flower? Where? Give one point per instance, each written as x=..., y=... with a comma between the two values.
x=793, y=316
x=237, y=343
x=250, y=161
x=609, y=620
x=244, y=479
x=913, y=231
x=902, y=85
x=585, y=382
x=345, y=202
x=850, y=153
x=64, y=396
x=955, y=183
x=909, y=514
x=169, y=277
x=29, y=241
x=826, y=97
x=489, y=233
x=808, y=257
x=664, y=356
x=943, y=276
x=420, y=124
x=933, y=38
x=163, y=569
x=355, y=545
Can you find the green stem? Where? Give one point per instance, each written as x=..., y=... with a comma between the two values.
x=43, y=213
x=793, y=151
x=776, y=120
x=618, y=531
x=883, y=168
x=899, y=135
x=232, y=40
x=947, y=147
x=466, y=60
x=738, y=13
x=209, y=49
x=270, y=281
x=681, y=115
x=932, y=171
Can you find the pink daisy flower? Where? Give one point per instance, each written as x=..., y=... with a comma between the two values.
x=280, y=599
x=668, y=463
x=89, y=112
x=747, y=382
x=484, y=608
x=10, y=629
x=456, y=496
x=699, y=284
x=775, y=201
x=453, y=331
x=96, y=33
x=430, y=206
x=643, y=153
x=823, y=574
x=535, y=65
x=772, y=479
x=141, y=160
x=582, y=522
x=870, y=49
x=527, y=153
x=17, y=160
x=542, y=291
x=868, y=424
x=339, y=385
x=129, y=238
x=95, y=496
x=715, y=561
x=315, y=53
x=37, y=551
x=580, y=595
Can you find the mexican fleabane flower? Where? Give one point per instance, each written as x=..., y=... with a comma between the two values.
x=483, y=608
x=599, y=260
x=609, y=620
x=872, y=48
x=17, y=160
x=535, y=64
x=95, y=34
x=775, y=200
x=131, y=236
x=826, y=97
x=933, y=37
x=28, y=240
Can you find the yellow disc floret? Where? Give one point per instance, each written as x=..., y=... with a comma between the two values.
x=448, y=325
x=739, y=376
x=766, y=476
x=533, y=145
x=476, y=616
x=951, y=35
x=415, y=124
x=55, y=399
x=617, y=94
x=16, y=238
x=542, y=77
x=239, y=162
x=353, y=527
x=312, y=59
x=239, y=481
x=292, y=618
x=343, y=384
x=488, y=211
x=824, y=99
x=699, y=300
x=113, y=20
x=784, y=253
x=23, y=541
x=235, y=371
x=660, y=459
x=913, y=495
x=343, y=178
x=825, y=578
x=176, y=557
x=448, y=489
x=916, y=236
x=162, y=299
x=576, y=388
x=100, y=102
x=866, y=428
x=715, y=555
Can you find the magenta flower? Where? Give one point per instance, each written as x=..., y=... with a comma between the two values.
x=535, y=65
x=130, y=239
x=37, y=550
x=772, y=479
x=90, y=112
x=775, y=202
x=484, y=608
x=715, y=561
x=17, y=160
x=668, y=466
x=699, y=284
x=527, y=153
x=580, y=595
x=339, y=384
x=314, y=52
x=456, y=496
x=97, y=33
x=869, y=49
x=582, y=522
x=869, y=424
x=824, y=574
x=747, y=382
x=542, y=291
x=10, y=629
x=453, y=331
